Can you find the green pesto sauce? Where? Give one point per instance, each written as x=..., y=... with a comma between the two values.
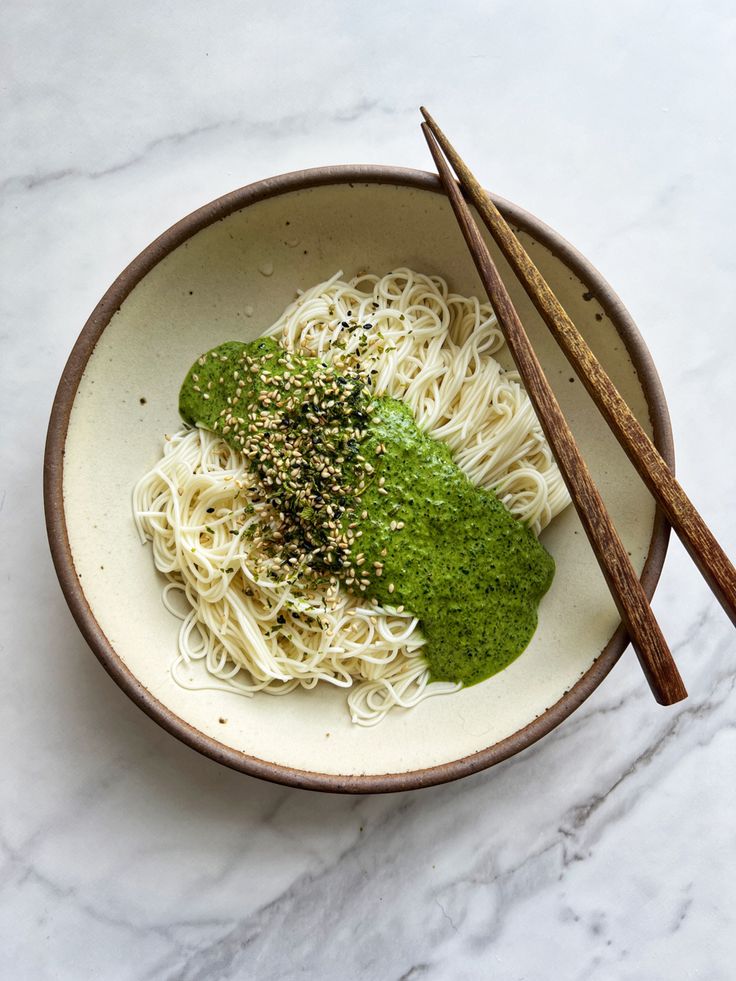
x=470, y=572
x=195, y=409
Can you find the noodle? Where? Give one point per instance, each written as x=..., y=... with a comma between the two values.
x=257, y=626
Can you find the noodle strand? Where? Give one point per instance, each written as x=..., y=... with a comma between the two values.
x=255, y=627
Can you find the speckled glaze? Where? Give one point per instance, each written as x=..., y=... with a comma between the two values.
x=226, y=272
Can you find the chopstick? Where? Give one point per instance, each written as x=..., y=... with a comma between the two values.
x=696, y=536
x=646, y=637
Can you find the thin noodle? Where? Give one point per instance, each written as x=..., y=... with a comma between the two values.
x=253, y=626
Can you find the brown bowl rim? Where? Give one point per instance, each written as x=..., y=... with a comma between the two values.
x=58, y=537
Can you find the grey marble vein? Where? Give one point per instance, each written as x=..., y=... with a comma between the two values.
x=274, y=129
x=606, y=852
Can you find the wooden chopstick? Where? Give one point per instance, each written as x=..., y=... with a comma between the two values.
x=651, y=648
x=696, y=536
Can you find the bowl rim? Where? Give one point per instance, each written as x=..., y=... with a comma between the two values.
x=58, y=536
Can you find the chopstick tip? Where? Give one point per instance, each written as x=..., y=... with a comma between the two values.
x=429, y=137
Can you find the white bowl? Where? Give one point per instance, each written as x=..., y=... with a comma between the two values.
x=225, y=272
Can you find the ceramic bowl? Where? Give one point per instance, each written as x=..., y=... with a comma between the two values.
x=225, y=272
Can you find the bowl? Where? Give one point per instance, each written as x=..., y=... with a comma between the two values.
x=225, y=272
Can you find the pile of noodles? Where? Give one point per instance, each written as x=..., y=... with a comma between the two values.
x=255, y=626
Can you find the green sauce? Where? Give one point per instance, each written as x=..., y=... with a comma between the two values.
x=447, y=551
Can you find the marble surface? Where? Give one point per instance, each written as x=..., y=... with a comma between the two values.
x=605, y=852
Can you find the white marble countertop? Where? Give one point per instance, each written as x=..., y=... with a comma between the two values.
x=608, y=850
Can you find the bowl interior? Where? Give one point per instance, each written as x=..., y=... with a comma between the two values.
x=230, y=280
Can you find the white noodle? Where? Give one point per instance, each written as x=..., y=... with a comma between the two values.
x=257, y=629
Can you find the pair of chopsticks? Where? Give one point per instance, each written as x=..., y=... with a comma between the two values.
x=646, y=637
